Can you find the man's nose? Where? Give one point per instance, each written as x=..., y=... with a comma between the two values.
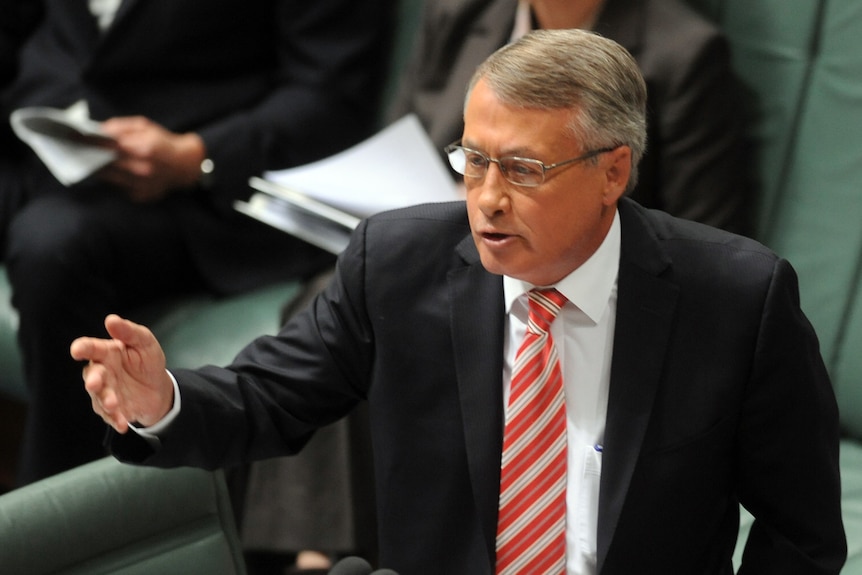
x=493, y=189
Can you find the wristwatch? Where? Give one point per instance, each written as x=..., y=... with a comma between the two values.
x=207, y=177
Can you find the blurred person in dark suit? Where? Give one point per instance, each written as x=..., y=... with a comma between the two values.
x=199, y=97
x=696, y=165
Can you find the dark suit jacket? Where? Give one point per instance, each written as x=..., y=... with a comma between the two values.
x=717, y=395
x=696, y=165
x=267, y=84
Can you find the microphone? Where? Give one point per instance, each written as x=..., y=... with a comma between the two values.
x=351, y=566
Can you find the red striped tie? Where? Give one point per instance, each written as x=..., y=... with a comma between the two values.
x=531, y=526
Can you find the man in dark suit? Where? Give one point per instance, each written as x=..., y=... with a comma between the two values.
x=696, y=165
x=692, y=381
x=199, y=98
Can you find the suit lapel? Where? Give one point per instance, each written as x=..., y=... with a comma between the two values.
x=79, y=24
x=645, y=311
x=476, y=298
x=123, y=11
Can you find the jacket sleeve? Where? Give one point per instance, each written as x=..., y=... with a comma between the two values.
x=330, y=67
x=17, y=19
x=278, y=390
x=788, y=445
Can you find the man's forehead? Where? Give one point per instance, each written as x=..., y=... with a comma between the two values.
x=490, y=122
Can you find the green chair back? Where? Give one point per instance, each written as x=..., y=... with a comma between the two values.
x=106, y=517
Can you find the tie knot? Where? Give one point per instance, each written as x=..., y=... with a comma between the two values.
x=545, y=304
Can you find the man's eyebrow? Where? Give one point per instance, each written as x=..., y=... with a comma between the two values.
x=520, y=151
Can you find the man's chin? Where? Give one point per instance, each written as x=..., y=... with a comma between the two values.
x=497, y=266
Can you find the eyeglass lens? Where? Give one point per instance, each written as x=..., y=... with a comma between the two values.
x=472, y=164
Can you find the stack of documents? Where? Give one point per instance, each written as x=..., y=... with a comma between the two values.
x=322, y=202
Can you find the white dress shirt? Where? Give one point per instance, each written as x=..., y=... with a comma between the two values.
x=104, y=11
x=583, y=333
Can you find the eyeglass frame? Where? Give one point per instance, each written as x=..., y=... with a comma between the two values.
x=456, y=146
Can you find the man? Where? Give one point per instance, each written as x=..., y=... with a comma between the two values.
x=696, y=165
x=199, y=97
x=692, y=381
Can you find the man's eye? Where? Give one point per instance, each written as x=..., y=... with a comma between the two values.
x=475, y=161
x=522, y=168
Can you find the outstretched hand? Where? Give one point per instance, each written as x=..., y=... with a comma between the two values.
x=126, y=376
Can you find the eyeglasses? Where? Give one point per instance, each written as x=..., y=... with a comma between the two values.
x=525, y=172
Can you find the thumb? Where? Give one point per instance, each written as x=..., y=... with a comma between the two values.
x=128, y=332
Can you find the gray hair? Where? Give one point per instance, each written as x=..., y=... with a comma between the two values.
x=580, y=70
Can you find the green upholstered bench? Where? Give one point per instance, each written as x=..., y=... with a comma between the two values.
x=802, y=62
x=106, y=517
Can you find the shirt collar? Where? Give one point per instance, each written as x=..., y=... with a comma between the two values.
x=589, y=286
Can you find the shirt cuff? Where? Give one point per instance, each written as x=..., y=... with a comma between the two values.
x=151, y=433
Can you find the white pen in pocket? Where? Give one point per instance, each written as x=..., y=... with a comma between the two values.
x=588, y=507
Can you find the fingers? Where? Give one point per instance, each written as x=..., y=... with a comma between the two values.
x=119, y=423
x=128, y=332
x=124, y=334
x=136, y=137
x=152, y=161
x=125, y=377
x=92, y=349
x=98, y=350
x=104, y=398
x=123, y=125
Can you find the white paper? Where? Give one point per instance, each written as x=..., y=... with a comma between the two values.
x=399, y=166
x=69, y=143
x=306, y=203
x=322, y=232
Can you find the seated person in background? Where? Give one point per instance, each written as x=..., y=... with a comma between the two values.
x=696, y=163
x=247, y=86
x=679, y=379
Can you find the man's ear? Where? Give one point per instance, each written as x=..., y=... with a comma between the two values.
x=618, y=169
